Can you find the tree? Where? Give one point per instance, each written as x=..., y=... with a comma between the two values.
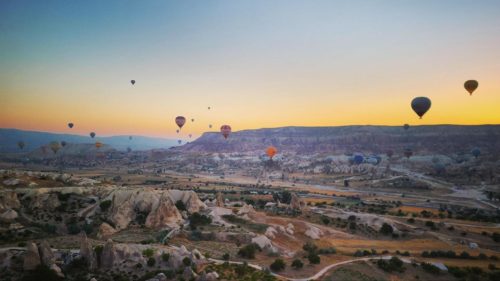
x=186, y=261
x=151, y=262
x=104, y=205
x=386, y=229
x=165, y=257
x=180, y=205
x=313, y=258
x=278, y=265
x=248, y=251
x=225, y=256
x=297, y=264
x=148, y=252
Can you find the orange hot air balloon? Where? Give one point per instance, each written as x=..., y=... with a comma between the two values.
x=471, y=86
x=271, y=151
x=98, y=144
x=225, y=130
x=180, y=121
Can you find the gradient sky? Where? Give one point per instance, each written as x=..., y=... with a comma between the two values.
x=256, y=63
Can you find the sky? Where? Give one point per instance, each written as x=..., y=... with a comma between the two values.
x=257, y=64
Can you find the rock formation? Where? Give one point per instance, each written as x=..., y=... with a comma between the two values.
x=219, y=200
x=105, y=231
x=87, y=252
x=164, y=214
x=296, y=203
x=32, y=257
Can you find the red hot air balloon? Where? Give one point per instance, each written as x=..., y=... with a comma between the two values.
x=271, y=151
x=225, y=130
x=180, y=121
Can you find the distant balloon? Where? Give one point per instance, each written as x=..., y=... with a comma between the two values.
x=358, y=159
x=130, y=137
x=20, y=144
x=209, y=108
x=129, y=149
x=390, y=153
x=271, y=151
x=476, y=152
x=210, y=126
x=132, y=81
x=92, y=134
x=406, y=126
x=179, y=141
x=421, y=105
x=471, y=86
x=180, y=121
x=192, y=119
x=177, y=130
x=70, y=125
x=98, y=144
x=190, y=135
x=408, y=152
x=63, y=143
x=225, y=130
x=54, y=146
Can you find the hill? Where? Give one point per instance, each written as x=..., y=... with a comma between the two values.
x=349, y=139
x=34, y=140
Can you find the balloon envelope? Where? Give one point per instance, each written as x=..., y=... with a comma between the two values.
x=180, y=121
x=408, y=152
x=476, y=152
x=98, y=144
x=421, y=105
x=70, y=125
x=271, y=151
x=225, y=130
x=55, y=146
x=406, y=126
x=358, y=159
x=92, y=134
x=20, y=144
x=130, y=138
x=63, y=143
x=179, y=141
x=471, y=86
x=133, y=81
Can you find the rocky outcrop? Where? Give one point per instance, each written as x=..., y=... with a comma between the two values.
x=46, y=255
x=264, y=243
x=296, y=203
x=313, y=232
x=164, y=214
x=212, y=276
x=8, y=200
x=87, y=252
x=32, y=257
x=246, y=209
x=219, y=200
x=8, y=216
x=189, y=198
x=46, y=201
x=188, y=273
x=105, y=231
x=108, y=255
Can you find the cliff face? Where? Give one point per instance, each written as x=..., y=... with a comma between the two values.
x=348, y=139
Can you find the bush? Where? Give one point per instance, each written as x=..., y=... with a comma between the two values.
x=180, y=205
x=394, y=264
x=430, y=268
x=297, y=264
x=186, y=261
x=148, y=252
x=165, y=257
x=278, y=265
x=386, y=229
x=196, y=220
x=326, y=251
x=151, y=262
x=41, y=272
x=313, y=258
x=225, y=256
x=411, y=220
x=248, y=251
x=104, y=205
x=310, y=247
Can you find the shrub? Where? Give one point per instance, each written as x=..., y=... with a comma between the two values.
x=297, y=264
x=313, y=258
x=430, y=268
x=310, y=247
x=104, y=205
x=196, y=219
x=186, y=261
x=180, y=205
x=225, y=256
x=394, y=264
x=148, y=252
x=249, y=250
x=386, y=229
x=165, y=257
x=41, y=272
x=278, y=265
x=151, y=261
x=326, y=251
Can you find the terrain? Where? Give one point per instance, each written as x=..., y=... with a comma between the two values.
x=217, y=209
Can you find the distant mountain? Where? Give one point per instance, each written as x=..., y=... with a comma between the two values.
x=34, y=140
x=431, y=139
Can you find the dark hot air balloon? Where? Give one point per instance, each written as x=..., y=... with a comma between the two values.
x=406, y=127
x=225, y=130
x=471, y=86
x=179, y=141
x=390, y=153
x=54, y=146
x=132, y=81
x=358, y=159
x=190, y=135
x=476, y=152
x=129, y=149
x=20, y=144
x=271, y=151
x=92, y=134
x=210, y=126
x=180, y=121
x=70, y=125
x=408, y=152
x=192, y=119
x=421, y=105
x=63, y=143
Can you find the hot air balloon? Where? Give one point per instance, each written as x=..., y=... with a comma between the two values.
x=271, y=151
x=408, y=152
x=20, y=144
x=406, y=126
x=192, y=119
x=129, y=149
x=130, y=137
x=471, y=86
x=209, y=108
x=63, y=143
x=177, y=130
x=70, y=125
x=190, y=135
x=210, y=126
x=358, y=159
x=421, y=105
x=225, y=130
x=132, y=81
x=476, y=152
x=179, y=141
x=54, y=146
x=180, y=121
x=390, y=153
x=98, y=144
x=92, y=134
